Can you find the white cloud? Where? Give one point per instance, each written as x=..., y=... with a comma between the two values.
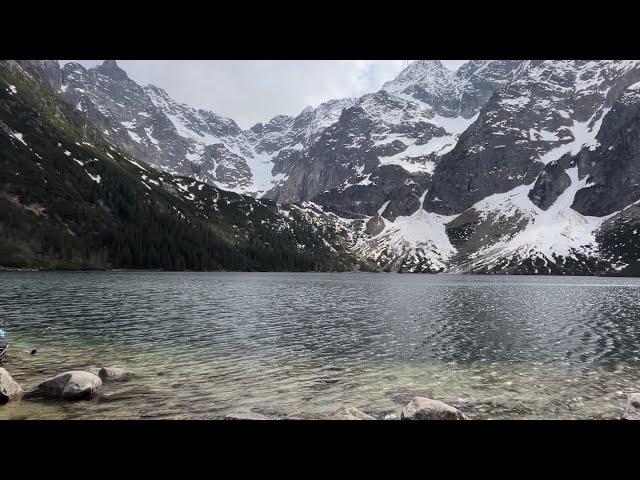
x=251, y=91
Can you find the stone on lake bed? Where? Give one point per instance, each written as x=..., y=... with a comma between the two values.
x=110, y=374
x=245, y=416
x=72, y=385
x=92, y=369
x=125, y=394
x=9, y=388
x=632, y=409
x=421, y=408
x=114, y=374
x=350, y=413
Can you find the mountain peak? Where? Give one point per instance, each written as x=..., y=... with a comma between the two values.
x=420, y=71
x=111, y=69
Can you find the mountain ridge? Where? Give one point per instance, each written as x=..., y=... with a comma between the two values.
x=71, y=199
x=497, y=167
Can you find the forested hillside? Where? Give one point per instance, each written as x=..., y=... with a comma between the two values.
x=71, y=199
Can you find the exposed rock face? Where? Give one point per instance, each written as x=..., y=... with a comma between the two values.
x=153, y=127
x=421, y=408
x=375, y=225
x=613, y=168
x=551, y=108
x=452, y=94
x=389, y=191
x=9, y=388
x=632, y=409
x=72, y=385
x=552, y=181
x=47, y=70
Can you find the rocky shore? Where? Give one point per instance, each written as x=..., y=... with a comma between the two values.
x=87, y=384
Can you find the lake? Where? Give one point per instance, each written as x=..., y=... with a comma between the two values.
x=204, y=345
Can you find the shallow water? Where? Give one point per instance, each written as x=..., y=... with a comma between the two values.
x=208, y=344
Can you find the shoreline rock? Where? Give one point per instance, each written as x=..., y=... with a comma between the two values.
x=632, y=408
x=10, y=390
x=114, y=374
x=349, y=413
x=421, y=408
x=110, y=374
x=72, y=385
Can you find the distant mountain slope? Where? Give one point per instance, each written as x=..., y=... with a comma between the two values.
x=416, y=118
x=499, y=167
x=69, y=198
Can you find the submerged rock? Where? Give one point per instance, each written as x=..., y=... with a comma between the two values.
x=110, y=374
x=92, y=369
x=350, y=413
x=390, y=416
x=114, y=374
x=245, y=416
x=421, y=408
x=125, y=394
x=9, y=388
x=73, y=385
x=632, y=409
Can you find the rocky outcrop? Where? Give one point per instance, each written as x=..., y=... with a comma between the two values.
x=9, y=388
x=632, y=409
x=613, y=167
x=47, y=70
x=551, y=108
x=451, y=94
x=552, y=181
x=421, y=408
x=72, y=385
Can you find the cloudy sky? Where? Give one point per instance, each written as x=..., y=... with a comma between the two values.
x=251, y=91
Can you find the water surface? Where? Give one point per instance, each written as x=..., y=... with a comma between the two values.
x=209, y=344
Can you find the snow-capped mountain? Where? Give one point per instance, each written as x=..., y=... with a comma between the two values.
x=417, y=117
x=512, y=196
x=71, y=199
x=178, y=138
x=501, y=166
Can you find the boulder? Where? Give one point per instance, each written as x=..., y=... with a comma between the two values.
x=421, y=408
x=632, y=409
x=350, y=413
x=73, y=385
x=9, y=389
x=114, y=374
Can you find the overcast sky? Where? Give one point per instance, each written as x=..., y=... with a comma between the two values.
x=251, y=91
